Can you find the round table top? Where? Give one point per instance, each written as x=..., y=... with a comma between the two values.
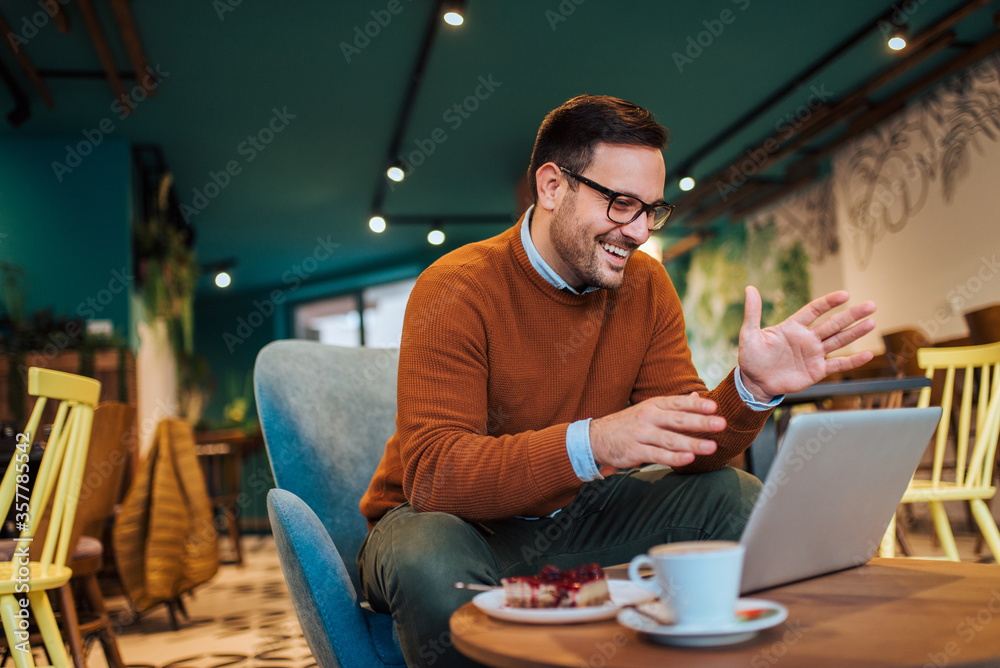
x=890, y=612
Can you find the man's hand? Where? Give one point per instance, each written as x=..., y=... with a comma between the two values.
x=791, y=356
x=651, y=432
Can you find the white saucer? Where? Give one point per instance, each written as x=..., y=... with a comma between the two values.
x=623, y=592
x=696, y=635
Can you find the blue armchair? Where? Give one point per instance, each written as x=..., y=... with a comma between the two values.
x=326, y=413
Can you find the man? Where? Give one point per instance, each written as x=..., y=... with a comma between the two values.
x=538, y=369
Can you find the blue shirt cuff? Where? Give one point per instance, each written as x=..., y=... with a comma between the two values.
x=580, y=454
x=748, y=397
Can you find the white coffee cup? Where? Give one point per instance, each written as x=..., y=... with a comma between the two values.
x=699, y=581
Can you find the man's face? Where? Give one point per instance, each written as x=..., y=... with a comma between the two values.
x=591, y=249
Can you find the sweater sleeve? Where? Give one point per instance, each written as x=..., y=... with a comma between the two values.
x=450, y=462
x=668, y=370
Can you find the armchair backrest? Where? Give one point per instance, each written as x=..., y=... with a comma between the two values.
x=326, y=413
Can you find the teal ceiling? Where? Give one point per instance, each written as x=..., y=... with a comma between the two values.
x=232, y=67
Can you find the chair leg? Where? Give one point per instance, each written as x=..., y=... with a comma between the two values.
x=72, y=625
x=904, y=542
x=888, y=546
x=46, y=621
x=943, y=527
x=174, y=606
x=987, y=525
x=172, y=611
x=234, y=533
x=9, y=606
x=109, y=642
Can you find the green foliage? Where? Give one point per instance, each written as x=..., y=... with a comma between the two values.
x=237, y=410
x=45, y=333
x=167, y=272
x=793, y=268
x=718, y=272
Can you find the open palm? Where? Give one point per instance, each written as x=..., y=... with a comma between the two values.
x=792, y=355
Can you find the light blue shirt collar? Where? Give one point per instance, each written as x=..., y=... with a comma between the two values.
x=544, y=270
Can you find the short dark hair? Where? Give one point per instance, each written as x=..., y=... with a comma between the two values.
x=569, y=133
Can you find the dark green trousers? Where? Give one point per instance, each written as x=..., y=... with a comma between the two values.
x=410, y=559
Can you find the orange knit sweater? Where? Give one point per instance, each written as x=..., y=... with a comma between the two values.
x=494, y=365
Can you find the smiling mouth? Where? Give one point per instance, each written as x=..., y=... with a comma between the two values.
x=616, y=251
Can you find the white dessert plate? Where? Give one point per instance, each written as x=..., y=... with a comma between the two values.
x=752, y=615
x=623, y=592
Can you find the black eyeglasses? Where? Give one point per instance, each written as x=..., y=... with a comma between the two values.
x=622, y=208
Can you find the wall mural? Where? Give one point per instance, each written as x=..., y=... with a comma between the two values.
x=880, y=180
x=885, y=176
x=713, y=295
x=809, y=216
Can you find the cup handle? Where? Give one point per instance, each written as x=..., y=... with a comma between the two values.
x=633, y=573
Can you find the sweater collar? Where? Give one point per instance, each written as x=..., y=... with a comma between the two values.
x=520, y=253
x=539, y=263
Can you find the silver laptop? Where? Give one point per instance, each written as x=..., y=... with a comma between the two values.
x=833, y=487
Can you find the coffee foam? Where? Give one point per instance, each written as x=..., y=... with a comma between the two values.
x=692, y=547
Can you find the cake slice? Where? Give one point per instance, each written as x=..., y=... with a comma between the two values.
x=554, y=588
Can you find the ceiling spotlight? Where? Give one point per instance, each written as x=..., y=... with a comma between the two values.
x=686, y=184
x=454, y=12
x=220, y=270
x=377, y=224
x=435, y=237
x=396, y=173
x=897, y=39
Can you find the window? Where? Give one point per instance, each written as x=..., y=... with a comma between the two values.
x=372, y=317
x=334, y=321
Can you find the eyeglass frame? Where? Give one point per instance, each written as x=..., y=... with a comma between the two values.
x=613, y=194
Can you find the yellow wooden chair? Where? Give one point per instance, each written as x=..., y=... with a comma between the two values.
x=973, y=467
x=58, y=481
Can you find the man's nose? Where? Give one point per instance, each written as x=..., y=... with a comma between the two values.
x=638, y=229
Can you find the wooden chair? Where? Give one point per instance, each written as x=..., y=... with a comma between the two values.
x=81, y=602
x=102, y=480
x=984, y=324
x=984, y=327
x=974, y=467
x=164, y=536
x=58, y=481
x=901, y=348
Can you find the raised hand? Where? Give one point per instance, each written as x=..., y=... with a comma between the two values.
x=792, y=355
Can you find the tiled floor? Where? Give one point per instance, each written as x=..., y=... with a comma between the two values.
x=243, y=618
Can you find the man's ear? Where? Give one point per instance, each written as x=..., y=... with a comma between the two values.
x=548, y=179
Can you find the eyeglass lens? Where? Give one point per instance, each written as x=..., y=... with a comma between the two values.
x=624, y=209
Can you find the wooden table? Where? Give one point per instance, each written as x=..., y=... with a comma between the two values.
x=890, y=612
x=221, y=454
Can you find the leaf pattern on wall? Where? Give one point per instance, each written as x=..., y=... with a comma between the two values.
x=809, y=217
x=885, y=175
